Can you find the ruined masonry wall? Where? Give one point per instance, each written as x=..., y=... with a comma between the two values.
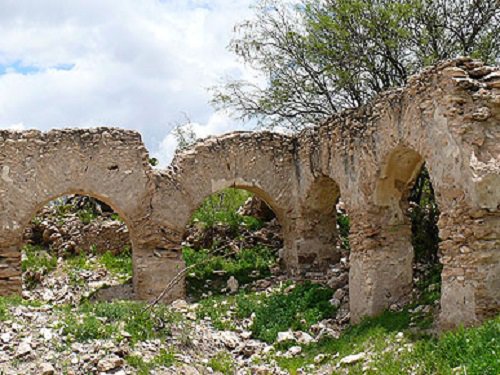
x=448, y=117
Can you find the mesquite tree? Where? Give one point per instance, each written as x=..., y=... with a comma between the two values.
x=318, y=57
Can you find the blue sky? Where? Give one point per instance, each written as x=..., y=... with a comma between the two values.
x=132, y=64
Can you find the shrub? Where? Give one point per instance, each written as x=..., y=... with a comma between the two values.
x=164, y=358
x=223, y=363
x=302, y=307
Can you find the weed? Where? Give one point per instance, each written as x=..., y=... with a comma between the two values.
x=223, y=363
x=246, y=266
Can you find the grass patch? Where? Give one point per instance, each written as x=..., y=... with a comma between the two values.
x=36, y=262
x=105, y=320
x=464, y=351
x=303, y=306
x=246, y=266
x=13, y=301
x=222, y=363
x=119, y=265
x=164, y=358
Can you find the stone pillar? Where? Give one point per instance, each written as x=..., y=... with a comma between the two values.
x=156, y=264
x=316, y=241
x=380, y=265
x=470, y=253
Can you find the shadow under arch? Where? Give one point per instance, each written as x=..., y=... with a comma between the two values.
x=317, y=245
x=398, y=176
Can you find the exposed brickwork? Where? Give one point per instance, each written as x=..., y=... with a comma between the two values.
x=447, y=116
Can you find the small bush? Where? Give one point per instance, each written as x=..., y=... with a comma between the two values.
x=221, y=208
x=164, y=358
x=304, y=306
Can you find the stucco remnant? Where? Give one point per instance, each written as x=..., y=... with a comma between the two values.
x=447, y=116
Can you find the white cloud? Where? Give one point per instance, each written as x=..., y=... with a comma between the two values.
x=126, y=63
x=218, y=123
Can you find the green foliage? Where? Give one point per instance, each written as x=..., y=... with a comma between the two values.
x=221, y=208
x=4, y=309
x=344, y=228
x=473, y=350
x=246, y=266
x=87, y=215
x=153, y=162
x=303, y=306
x=106, y=320
x=320, y=57
x=36, y=260
x=223, y=363
x=424, y=214
x=119, y=264
x=164, y=358
x=12, y=301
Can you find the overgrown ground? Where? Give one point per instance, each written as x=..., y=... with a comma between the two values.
x=273, y=327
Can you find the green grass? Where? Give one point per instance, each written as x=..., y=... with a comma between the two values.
x=222, y=363
x=119, y=265
x=36, y=260
x=475, y=350
x=164, y=358
x=298, y=309
x=106, y=320
x=246, y=266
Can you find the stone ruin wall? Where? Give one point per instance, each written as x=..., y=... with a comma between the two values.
x=447, y=116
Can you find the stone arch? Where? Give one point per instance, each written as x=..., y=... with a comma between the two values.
x=107, y=164
x=261, y=163
x=258, y=162
x=450, y=126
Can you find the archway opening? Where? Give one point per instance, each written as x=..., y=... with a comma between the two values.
x=326, y=244
x=406, y=191
x=423, y=212
x=76, y=247
x=233, y=241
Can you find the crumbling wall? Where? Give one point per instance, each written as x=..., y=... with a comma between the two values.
x=447, y=116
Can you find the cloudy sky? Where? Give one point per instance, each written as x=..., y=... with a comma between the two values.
x=126, y=63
